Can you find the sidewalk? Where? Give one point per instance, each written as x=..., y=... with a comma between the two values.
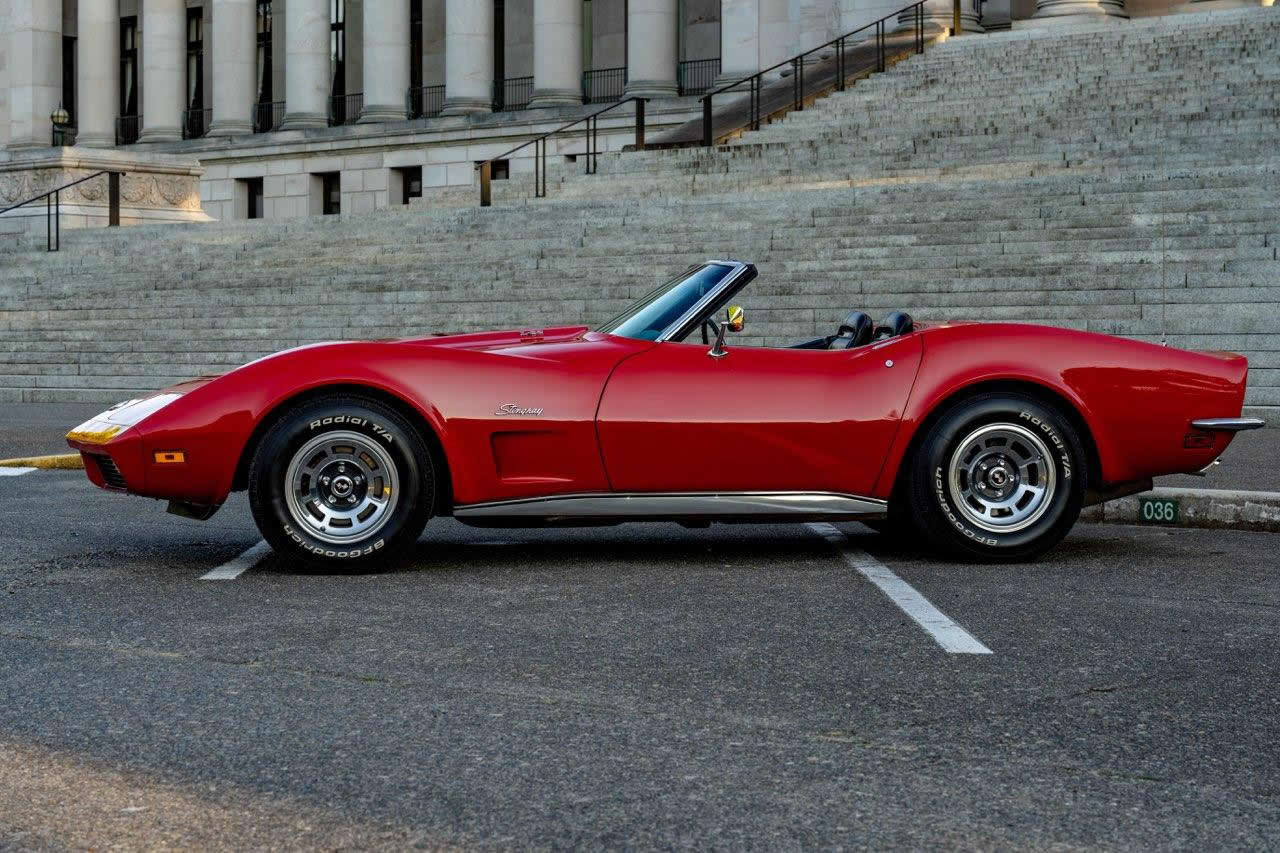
x=37, y=429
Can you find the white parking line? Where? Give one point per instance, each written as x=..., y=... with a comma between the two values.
x=15, y=472
x=945, y=632
x=240, y=565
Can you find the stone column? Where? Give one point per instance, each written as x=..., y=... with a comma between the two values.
x=740, y=34
x=777, y=32
x=557, y=53
x=35, y=70
x=97, y=73
x=307, y=72
x=1079, y=9
x=939, y=14
x=652, y=42
x=816, y=22
x=468, y=57
x=164, y=69
x=385, y=60
x=235, y=66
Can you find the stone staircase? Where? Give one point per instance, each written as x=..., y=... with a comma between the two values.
x=1123, y=178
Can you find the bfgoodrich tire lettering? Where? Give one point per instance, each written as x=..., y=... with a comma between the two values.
x=341, y=483
x=998, y=477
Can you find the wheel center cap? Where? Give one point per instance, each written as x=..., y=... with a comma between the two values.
x=998, y=477
x=342, y=485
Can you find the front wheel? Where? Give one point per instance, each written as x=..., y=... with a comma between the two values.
x=999, y=477
x=341, y=483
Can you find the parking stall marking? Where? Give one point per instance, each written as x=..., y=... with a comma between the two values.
x=240, y=565
x=945, y=632
x=15, y=472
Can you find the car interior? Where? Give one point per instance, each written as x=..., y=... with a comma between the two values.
x=857, y=330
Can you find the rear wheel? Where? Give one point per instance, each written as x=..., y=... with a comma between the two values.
x=341, y=483
x=999, y=477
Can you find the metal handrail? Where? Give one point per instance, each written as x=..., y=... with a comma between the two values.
x=612, y=81
x=345, y=109
x=53, y=206
x=512, y=94
x=128, y=128
x=755, y=80
x=195, y=122
x=267, y=116
x=694, y=68
x=416, y=101
x=540, y=152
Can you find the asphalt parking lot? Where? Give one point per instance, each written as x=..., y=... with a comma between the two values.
x=638, y=686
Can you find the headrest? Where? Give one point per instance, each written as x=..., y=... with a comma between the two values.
x=855, y=331
x=897, y=323
x=854, y=325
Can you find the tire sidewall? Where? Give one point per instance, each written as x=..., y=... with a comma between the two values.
x=933, y=472
x=268, y=488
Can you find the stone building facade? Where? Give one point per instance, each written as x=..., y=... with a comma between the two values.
x=297, y=107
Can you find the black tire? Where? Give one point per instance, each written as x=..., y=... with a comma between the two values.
x=964, y=487
x=365, y=454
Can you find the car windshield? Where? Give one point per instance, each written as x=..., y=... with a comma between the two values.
x=655, y=313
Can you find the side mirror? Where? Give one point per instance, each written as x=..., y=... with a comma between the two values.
x=734, y=321
x=735, y=318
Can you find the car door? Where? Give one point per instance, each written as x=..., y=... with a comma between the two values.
x=674, y=419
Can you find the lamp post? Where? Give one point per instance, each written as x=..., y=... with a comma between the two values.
x=61, y=120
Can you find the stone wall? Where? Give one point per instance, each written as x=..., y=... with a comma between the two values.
x=368, y=157
x=154, y=188
x=4, y=74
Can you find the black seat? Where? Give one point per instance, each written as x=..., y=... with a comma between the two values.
x=855, y=331
x=897, y=323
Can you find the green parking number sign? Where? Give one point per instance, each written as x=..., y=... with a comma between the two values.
x=1157, y=511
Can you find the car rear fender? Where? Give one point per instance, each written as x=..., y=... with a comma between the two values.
x=1135, y=401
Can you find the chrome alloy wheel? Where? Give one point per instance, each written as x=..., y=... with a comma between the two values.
x=342, y=487
x=1002, y=477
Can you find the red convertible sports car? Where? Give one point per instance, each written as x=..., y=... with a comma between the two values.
x=985, y=438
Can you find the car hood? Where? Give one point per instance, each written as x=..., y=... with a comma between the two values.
x=500, y=339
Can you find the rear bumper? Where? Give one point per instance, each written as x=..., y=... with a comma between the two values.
x=1228, y=424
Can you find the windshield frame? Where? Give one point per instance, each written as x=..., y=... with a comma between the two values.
x=738, y=276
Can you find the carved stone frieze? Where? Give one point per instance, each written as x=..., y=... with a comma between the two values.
x=153, y=187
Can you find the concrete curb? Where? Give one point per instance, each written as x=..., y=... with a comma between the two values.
x=64, y=462
x=1270, y=414
x=1214, y=509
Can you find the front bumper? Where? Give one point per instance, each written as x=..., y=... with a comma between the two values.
x=111, y=444
x=112, y=458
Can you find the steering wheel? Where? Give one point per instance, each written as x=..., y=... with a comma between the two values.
x=709, y=323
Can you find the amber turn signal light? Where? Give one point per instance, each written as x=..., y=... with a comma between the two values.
x=170, y=457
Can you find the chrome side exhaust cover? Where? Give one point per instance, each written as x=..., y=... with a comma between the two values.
x=727, y=505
